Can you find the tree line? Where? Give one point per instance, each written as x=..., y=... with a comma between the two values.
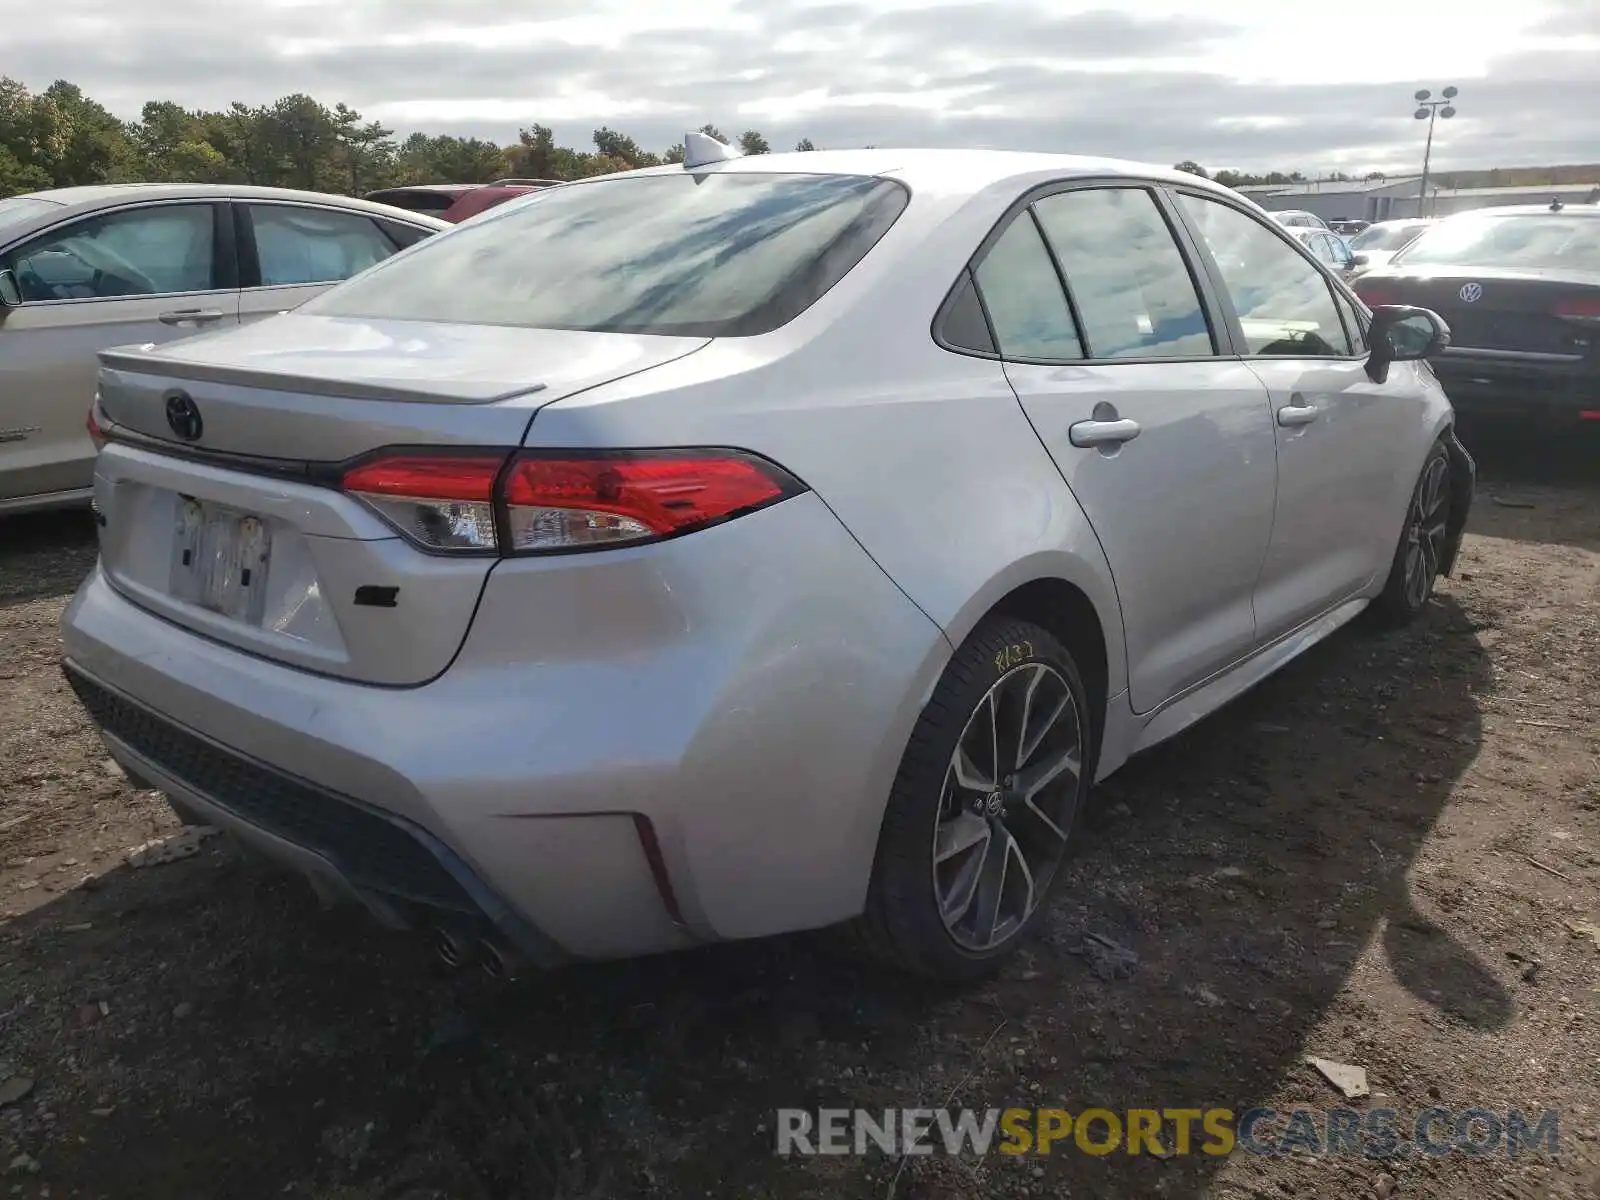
x=1489, y=177
x=61, y=138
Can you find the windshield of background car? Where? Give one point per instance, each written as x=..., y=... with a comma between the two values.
x=715, y=255
x=22, y=208
x=1535, y=242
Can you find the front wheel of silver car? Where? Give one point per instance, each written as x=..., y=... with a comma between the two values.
x=1417, y=559
x=984, y=806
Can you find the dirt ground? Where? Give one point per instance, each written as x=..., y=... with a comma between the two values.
x=1379, y=857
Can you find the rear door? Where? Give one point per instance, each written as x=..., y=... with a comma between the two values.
x=1340, y=435
x=145, y=273
x=1166, y=441
x=290, y=252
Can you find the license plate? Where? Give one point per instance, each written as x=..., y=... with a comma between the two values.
x=220, y=559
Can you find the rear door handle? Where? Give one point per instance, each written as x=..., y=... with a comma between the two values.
x=1103, y=433
x=1297, y=414
x=198, y=316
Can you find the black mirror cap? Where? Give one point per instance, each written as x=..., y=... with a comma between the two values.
x=10, y=290
x=1426, y=335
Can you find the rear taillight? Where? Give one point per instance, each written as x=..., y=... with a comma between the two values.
x=440, y=501
x=92, y=423
x=1374, y=293
x=1577, y=308
x=543, y=502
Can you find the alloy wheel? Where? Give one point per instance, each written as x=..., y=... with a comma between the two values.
x=1007, y=804
x=1425, y=532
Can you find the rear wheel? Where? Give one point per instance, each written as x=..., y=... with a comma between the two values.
x=1415, y=568
x=983, y=809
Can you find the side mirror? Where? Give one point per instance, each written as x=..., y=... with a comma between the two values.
x=1360, y=260
x=1403, y=333
x=10, y=290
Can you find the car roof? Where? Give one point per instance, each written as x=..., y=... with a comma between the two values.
x=82, y=201
x=1531, y=210
x=945, y=170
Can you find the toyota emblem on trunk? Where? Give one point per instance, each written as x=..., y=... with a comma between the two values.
x=184, y=417
x=1472, y=292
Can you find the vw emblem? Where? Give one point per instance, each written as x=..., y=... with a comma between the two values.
x=184, y=417
x=1472, y=292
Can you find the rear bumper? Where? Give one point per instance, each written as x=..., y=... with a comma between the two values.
x=695, y=744
x=1493, y=385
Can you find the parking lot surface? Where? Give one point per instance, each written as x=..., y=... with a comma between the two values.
x=1386, y=856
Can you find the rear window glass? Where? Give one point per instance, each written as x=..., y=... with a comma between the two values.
x=721, y=255
x=1551, y=242
x=1385, y=237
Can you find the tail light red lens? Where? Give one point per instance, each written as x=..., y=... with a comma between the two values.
x=96, y=434
x=1577, y=308
x=576, y=503
x=541, y=502
x=1373, y=294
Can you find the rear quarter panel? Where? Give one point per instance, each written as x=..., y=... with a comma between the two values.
x=923, y=454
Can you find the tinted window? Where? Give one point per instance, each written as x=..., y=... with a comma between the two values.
x=1284, y=303
x=964, y=326
x=1538, y=242
x=714, y=255
x=136, y=252
x=403, y=235
x=1022, y=292
x=1133, y=290
x=313, y=245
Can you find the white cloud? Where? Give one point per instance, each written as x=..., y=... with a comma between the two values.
x=1244, y=83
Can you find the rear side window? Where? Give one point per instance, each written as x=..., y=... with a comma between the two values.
x=403, y=235
x=715, y=255
x=1132, y=287
x=313, y=245
x=963, y=326
x=1022, y=292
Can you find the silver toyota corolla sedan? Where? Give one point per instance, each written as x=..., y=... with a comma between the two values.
x=746, y=546
x=90, y=267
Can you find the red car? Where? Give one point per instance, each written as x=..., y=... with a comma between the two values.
x=456, y=201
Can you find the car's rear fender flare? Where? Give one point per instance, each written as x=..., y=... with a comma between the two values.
x=1029, y=586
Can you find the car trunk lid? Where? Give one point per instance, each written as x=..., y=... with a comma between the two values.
x=1523, y=312
x=234, y=527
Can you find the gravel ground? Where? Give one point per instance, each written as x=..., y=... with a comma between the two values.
x=1386, y=856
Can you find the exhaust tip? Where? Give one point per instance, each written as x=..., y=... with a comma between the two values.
x=498, y=964
x=453, y=952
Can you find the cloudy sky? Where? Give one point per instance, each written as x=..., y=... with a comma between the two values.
x=1249, y=84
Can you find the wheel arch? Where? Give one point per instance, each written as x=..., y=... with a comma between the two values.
x=1075, y=602
x=1073, y=599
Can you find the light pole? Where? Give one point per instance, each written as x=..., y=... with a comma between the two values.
x=1427, y=110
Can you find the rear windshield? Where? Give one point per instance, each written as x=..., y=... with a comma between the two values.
x=1385, y=237
x=22, y=208
x=1533, y=242
x=719, y=255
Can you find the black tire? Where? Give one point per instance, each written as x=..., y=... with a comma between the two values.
x=902, y=925
x=1422, y=539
